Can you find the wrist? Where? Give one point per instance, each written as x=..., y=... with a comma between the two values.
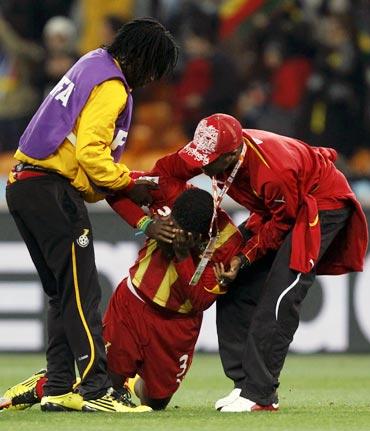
x=244, y=261
x=144, y=223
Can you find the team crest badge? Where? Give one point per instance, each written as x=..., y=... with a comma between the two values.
x=83, y=240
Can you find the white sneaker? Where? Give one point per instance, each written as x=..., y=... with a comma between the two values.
x=233, y=395
x=242, y=404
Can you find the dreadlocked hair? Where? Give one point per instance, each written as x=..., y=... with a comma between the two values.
x=145, y=50
x=193, y=210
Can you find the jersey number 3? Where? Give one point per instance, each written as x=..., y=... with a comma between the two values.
x=183, y=364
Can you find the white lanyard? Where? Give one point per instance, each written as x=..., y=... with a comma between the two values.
x=217, y=199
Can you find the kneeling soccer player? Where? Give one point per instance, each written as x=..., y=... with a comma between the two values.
x=154, y=317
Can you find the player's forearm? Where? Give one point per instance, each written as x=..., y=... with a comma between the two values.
x=126, y=209
x=270, y=228
x=254, y=223
x=173, y=166
x=270, y=236
x=97, y=162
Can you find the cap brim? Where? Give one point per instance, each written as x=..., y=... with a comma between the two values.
x=192, y=161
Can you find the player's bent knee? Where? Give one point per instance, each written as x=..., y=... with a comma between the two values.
x=141, y=392
x=158, y=404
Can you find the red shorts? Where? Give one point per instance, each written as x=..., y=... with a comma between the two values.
x=143, y=340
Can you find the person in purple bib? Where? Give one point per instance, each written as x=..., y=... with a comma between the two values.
x=70, y=153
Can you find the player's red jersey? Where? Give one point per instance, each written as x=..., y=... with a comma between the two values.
x=284, y=183
x=165, y=281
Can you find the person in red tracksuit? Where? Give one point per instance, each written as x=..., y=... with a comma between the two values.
x=304, y=220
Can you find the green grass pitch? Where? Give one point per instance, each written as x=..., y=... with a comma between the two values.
x=327, y=392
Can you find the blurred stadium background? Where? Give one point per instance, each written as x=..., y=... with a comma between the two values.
x=296, y=67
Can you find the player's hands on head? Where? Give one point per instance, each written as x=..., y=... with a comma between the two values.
x=182, y=243
x=161, y=229
x=140, y=192
x=225, y=277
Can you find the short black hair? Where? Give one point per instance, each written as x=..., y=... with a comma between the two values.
x=193, y=210
x=145, y=50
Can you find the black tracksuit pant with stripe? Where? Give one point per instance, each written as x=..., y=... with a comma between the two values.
x=52, y=219
x=257, y=318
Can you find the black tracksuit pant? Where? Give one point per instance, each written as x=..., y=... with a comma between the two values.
x=257, y=318
x=52, y=219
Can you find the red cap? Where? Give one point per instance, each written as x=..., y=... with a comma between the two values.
x=214, y=136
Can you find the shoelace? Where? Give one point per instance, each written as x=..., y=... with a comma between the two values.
x=122, y=395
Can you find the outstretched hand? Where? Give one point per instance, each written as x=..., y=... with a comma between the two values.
x=225, y=277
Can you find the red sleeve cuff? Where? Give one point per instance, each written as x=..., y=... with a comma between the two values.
x=129, y=186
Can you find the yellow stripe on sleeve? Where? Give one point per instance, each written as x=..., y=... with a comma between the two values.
x=226, y=233
x=186, y=307
x=314, y=223
x=259, y=154
x=217, y=290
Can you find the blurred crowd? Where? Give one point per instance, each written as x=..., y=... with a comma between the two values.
x=295, y=67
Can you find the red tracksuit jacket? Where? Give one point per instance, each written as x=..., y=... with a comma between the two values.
x=284, y=182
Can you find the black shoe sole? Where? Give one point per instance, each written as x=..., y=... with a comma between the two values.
x=51, y=407
x=86, y=409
